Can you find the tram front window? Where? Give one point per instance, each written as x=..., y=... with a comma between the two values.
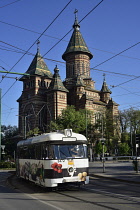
x=70, y=151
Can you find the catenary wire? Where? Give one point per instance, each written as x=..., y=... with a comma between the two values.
x=117, y=54
x=41, y=34
x=9, y=4
x=72, y=29
x=23, y=28
x=110, y=72
x=46, y=30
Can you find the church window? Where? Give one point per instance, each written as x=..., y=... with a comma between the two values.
x=72, y=69
x=82, y=68
x=28, y=96
x=39, y=83
x=32, y=84
x=87, y=69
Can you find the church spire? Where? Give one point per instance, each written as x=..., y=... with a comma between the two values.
x=105, y=88
x=56, y=83
x=38, y=66
x=76, y=25
x=76, y=43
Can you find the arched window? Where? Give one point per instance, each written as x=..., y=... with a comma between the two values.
x=39, y=83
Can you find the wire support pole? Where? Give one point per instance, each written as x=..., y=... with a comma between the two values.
x=9, y=72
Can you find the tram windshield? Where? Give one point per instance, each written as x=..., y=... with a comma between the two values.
x=70, y=151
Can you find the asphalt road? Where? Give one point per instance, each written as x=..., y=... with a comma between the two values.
x=101, y=193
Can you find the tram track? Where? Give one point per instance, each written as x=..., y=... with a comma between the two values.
x=86, y=194
x=115, y=185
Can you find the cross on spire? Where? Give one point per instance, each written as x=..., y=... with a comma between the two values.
x=38, y=45
x=104, y=76
x=75, y=12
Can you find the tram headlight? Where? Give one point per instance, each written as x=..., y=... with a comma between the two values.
x=71, y=169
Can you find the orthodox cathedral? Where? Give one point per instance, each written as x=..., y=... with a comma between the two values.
x=45, y=95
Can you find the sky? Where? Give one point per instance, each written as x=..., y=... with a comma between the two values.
x=110, y=29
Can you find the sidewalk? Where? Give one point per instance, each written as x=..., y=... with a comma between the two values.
x=121, y=171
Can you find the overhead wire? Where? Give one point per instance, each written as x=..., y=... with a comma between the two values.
x=9, y=4
x=72, y=29
x=64, y=62
x=35, y=42
x=103, y=61
x=23, y=28
x=110, y=72
x=41, y=34
x=26, y=29
x=49, y=26
x=117, y=54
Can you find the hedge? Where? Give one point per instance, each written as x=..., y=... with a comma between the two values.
x=7, y=164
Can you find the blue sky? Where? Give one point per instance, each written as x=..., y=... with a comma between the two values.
x=108, y=30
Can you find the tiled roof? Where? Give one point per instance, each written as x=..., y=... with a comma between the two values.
x=38, y=67
x=105, y=88
x=77, y=43
x=56, y=83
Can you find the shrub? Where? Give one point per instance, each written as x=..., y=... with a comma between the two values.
x=7, y=164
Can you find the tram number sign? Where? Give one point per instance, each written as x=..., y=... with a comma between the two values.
x=61, y=160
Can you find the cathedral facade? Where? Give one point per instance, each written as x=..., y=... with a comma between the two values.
x=44, y=95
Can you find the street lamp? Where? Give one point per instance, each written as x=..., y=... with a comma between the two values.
x=103, y=143
x=25, y=116
x=2, y=153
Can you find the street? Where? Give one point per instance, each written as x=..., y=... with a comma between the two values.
x=101, y=193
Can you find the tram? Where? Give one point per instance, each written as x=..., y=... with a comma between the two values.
x=53, y=158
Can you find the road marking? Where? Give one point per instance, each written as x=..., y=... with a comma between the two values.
x=115, y=194
x=44, y=202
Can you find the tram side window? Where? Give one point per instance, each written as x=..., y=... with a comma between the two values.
x=51, y=151
x=38, y=151
x=31, y=152
x=44, y=151
x=22, y=152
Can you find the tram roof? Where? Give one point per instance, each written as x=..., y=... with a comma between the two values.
x=67, y=136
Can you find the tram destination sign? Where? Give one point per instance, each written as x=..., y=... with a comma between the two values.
x=69, y=138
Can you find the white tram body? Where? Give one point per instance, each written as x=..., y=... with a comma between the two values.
x=53, y=158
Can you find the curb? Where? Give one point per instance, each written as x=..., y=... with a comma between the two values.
x=114, y=178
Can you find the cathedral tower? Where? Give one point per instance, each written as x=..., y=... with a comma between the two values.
x=77, y=55
x=32, y=102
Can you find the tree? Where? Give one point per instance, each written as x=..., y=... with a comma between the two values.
x=33, y=132
x=99, y=148
x=124, y=149
x=8, y=134
x=78, y=121
x=130, y=124
x=107, y=127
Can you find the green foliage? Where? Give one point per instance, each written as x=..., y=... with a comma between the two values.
x=9, y=140
x=71, y=118
x=7, y=164
x=33, y=132
x=99, y=148
x=130, y=119
x=124, y=149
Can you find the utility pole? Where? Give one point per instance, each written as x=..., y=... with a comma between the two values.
x=0, y=124
x=7, y=72
x=103, y=143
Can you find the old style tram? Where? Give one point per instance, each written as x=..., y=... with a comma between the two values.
x=53, y=158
